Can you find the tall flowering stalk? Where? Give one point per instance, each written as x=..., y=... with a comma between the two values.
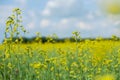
x=13, y=29
x=14, y=25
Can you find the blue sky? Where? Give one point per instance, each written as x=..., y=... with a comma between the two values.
x=62, y=17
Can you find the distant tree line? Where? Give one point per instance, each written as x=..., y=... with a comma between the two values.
x=57, y=40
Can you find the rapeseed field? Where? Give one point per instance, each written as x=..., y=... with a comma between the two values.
x=87, y=60
x=80, y=60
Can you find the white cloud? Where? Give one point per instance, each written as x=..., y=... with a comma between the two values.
x=104, y=24
x=51, y=4
x=46, y=12
x=30, y=25
x=98, y=13
x=90, y=16
x=115, y=31
x=113, y=20
x=63, y=24
x=32, y=15
x=58, y=6
x=116, y=23
x=22, y=2
x=84, y=26
x=44, y=23
x=64, y=21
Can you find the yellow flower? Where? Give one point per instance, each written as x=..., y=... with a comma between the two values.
x=36, y=65
x=105, y=77
x=10, y=65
